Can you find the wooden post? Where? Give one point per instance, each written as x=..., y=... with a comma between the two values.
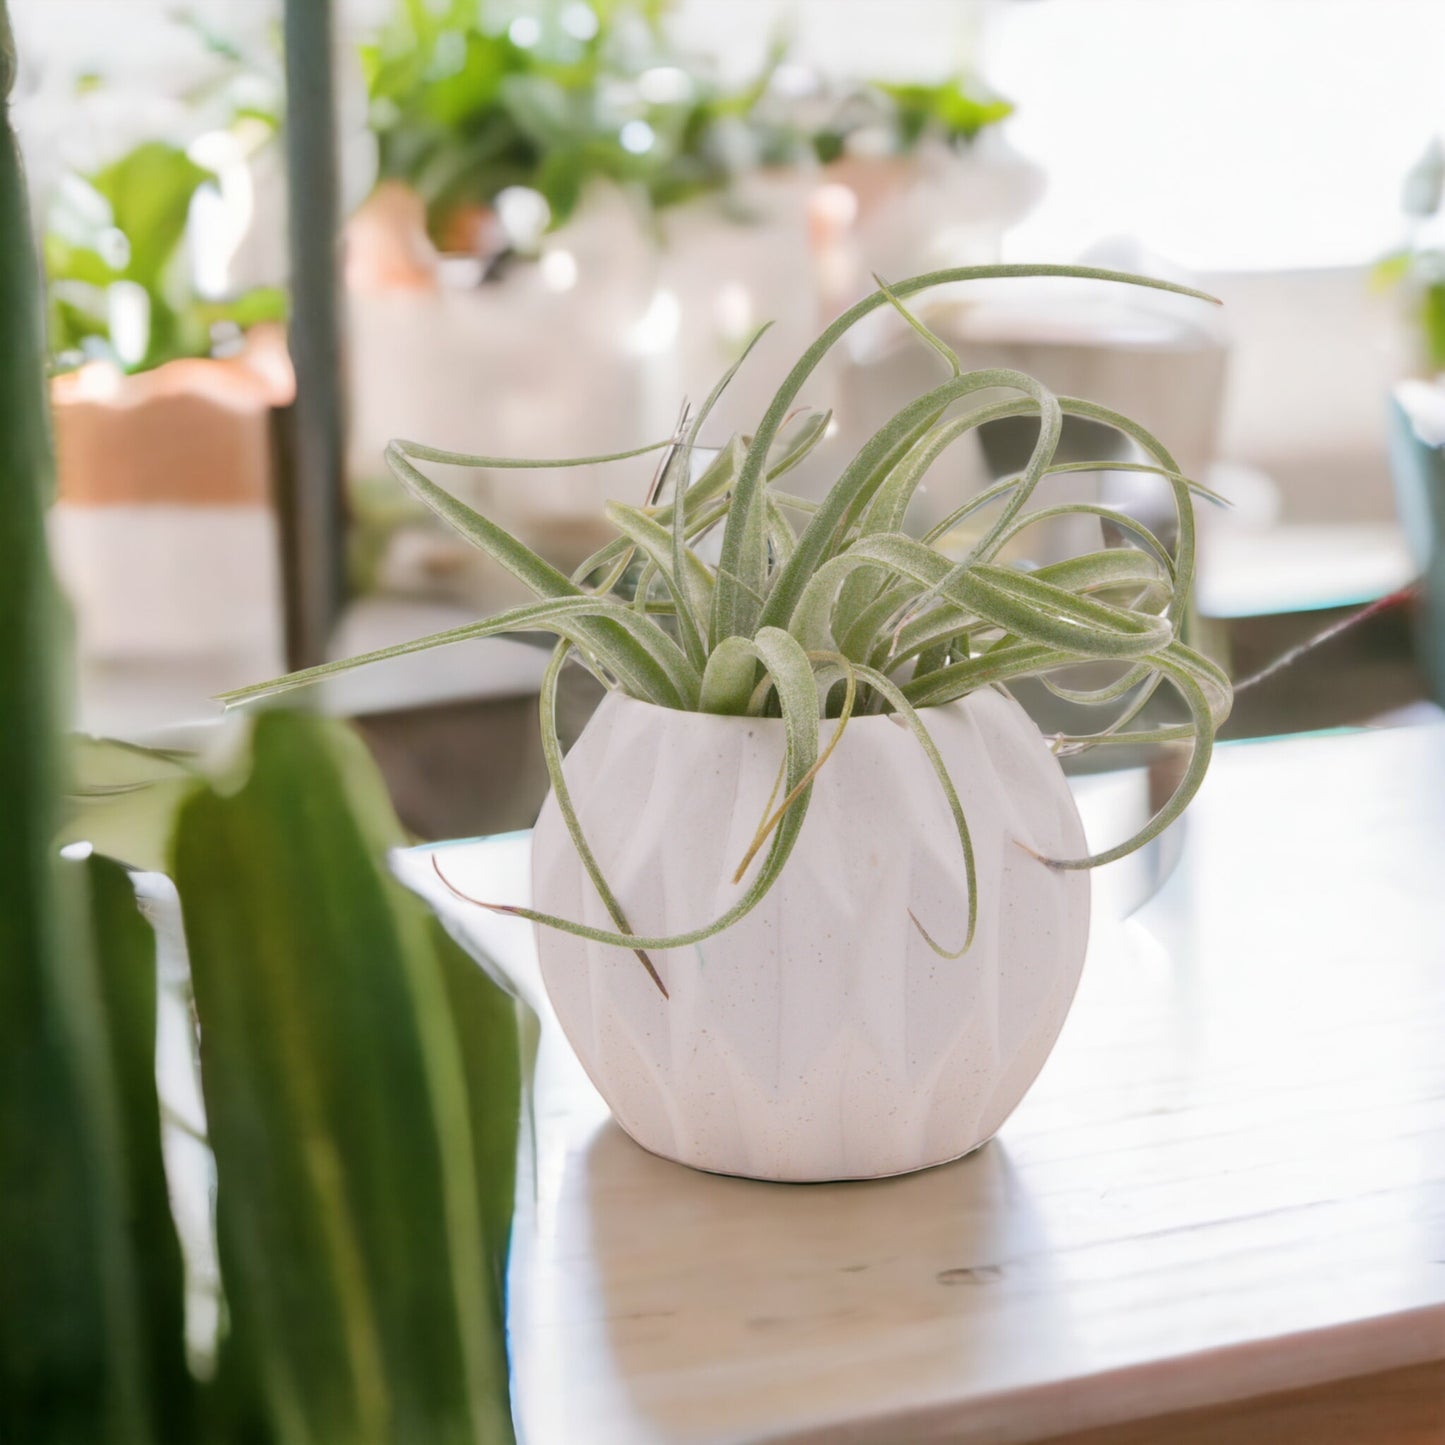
x=310, y=492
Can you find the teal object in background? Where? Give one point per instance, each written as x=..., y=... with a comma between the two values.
x=1419, y=471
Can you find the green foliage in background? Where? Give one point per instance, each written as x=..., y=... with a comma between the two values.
x=125, y=224
x=470, y=97
x=896, y=117
x=462, y=108
x=360, y=1075
x=824, y=610
x=1418, y=267
x=957, y=109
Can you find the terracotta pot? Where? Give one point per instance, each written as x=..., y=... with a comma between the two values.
x=387, y=246
x=819, y=1037
x=165, y=531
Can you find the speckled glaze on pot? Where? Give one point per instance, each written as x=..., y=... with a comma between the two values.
x=819, y=1037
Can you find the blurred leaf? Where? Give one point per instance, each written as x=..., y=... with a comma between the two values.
x=125, y=950
x=362, y=1091
x=476, y=83
x=1390, y=270
x=959, y=108
x=81, y=1359
x=67, y=261
x=543, y=110
x=263, y=303
x=461, y=112
x=150, y=190
x=126, y=223
x=123, y=800
x=1432, y=317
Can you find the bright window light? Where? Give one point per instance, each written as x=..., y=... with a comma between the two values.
x=1223, y=134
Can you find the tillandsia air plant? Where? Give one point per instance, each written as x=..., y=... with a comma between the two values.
x=818, y=612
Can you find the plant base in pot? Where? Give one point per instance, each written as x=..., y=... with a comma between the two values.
x=819, y=1037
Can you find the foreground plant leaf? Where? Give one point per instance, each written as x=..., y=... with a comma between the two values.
x=362, y=1093
x=87, y=1278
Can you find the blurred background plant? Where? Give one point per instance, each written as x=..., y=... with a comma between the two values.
x=470, y=99
x=119, y=284
x=1417, y=268
x=567, y=216
x=136, y=247
x=896, y=116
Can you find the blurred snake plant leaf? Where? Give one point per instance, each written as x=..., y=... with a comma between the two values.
x=828, y=609
x=89, y=1285
x=362, y=1092
x=360, y=1073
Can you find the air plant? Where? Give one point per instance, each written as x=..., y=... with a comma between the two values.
x=821, y=611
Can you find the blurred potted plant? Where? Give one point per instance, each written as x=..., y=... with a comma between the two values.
x=874, y=992
x=933, y=179
x=162, y=399
x=1417, y=268
x=886, y=119
x=556, y=145
x=1417, y=407
x=468, y=100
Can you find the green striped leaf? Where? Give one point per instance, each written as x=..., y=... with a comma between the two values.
x=88, y=1288
x=362, y=1093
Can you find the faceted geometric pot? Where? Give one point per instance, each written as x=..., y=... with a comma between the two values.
x=819, y=1037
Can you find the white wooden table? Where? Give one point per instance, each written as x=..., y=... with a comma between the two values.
x=1227, y=1189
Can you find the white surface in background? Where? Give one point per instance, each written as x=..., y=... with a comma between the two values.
x=158, y=581
x=1246, y=573
x=493, y=667
x=171, y=699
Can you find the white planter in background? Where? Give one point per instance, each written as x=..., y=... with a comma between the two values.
x=732, y=266
x=158, y=582
x=165, y=531
x=819, y=1037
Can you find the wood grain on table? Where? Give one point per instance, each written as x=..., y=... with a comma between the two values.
x=1222, y=1207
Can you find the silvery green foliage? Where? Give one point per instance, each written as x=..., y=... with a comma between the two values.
x=818, y=611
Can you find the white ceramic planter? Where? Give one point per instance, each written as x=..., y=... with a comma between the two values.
x=819, y=1037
